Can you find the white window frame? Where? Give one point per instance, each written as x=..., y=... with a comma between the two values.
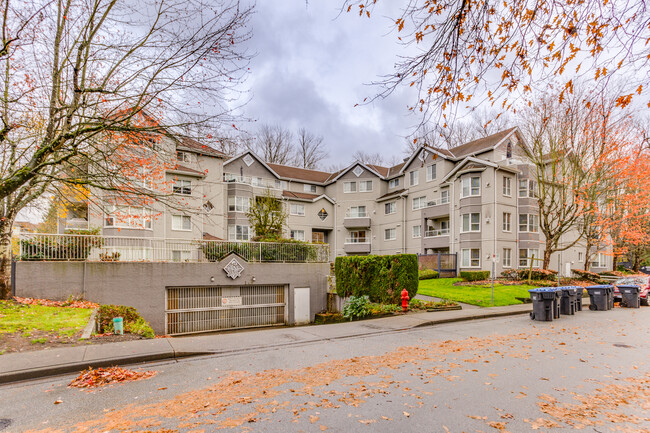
x=531, y=225
x=363, y=186
x=600, y=262
x=236, y=231
x=470, y=258
x=419, y=203
x=507, y=186
x=238, y=203
x=298, y=235
x=393, y=183
x=297, y=209
x=183, y=156
x=470, y=222
x=527, y=188
x=134, y=217
x=507, y=222
x=309, y=188
x=349, y=187
x=179, y=223
x=444, y=196
x=281, y=184
x=507, y=258
x=355, y=211
x=182, y=187
x=417, y=231
x=390, y=232
x=432, y=172
x=528, y=258
x=414, y=177
x=580, y=256
x=468, y=189
x=390, y=206
x=182, y=255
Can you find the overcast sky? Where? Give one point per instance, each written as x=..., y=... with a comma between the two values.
x=312, y=66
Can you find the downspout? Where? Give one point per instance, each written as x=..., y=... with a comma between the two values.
x=494, y=220
x=404, y=225
x=516, y=224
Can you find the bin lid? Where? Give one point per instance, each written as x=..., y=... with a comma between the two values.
x=543, y=289
x=628, y=286
x=603, y=286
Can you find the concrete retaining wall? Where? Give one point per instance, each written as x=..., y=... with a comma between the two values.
x=142, y=285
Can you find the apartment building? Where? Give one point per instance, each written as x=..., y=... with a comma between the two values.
x=477, y=200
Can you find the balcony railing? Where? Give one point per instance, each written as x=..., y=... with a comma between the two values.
x=253, y=181
x=56, y=247
x=441, y=200
x=357, y=240
x=358, y=214
x=435, y=233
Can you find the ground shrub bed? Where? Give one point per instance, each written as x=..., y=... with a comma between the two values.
x=268, y=249
x=132, y=321
x=535, y=274
x=416, y=304
x=475, y=275
x=381, y=278
x=587, y=275
x=479, y=294
x=428, y=274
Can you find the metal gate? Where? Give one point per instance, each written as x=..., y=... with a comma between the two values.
x=213, y=308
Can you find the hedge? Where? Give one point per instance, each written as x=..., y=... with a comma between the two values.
x=382, y=278
x=475, y=275
x=535, y=274
x=428, y=274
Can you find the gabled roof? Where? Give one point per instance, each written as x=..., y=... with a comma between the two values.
x=354, y=164
x=418, y=151
x=195, y=146
x=391, y=194
x=482, y=144
x=304, y=196
x=289, y=172
x=181, y=169
x=469, y=163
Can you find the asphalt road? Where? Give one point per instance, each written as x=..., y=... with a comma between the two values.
x=588, y=372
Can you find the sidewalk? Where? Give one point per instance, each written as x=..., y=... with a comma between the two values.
x=43, y=363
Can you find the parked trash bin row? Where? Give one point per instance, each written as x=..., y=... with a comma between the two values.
x=551, y=302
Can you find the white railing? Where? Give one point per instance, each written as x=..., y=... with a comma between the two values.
x=441, y=200
x=435, y=233
x=357, y=240
x=357, y=214
x=252, y=180
x=48, y=247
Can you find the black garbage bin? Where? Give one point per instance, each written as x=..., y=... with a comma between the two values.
x=630, y=296
x=545, y=304
x=568, y=300
x=610, y=297
x=599, y=297
x=579, y=293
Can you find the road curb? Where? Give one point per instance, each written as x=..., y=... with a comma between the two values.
x=39, y=373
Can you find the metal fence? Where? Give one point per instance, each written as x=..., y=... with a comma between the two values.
x=443, y=263
x=47, y=247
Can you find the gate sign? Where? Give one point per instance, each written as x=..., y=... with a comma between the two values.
x=233, y=269
x=231, y=300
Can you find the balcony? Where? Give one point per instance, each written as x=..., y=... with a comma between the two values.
x=356, y=220
x=436, y=238
x=356, y=245
x=436, y=208
x=436, y=233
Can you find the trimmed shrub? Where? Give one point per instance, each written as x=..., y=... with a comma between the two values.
x=475, y=275
x=428, y=274
x=382, y=278
x=586, y=275
x=535, y=274
x=269, y=250
x=133, y=322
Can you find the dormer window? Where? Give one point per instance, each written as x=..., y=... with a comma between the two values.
x=183, y=156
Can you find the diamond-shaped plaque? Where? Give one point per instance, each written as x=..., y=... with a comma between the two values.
x=358, y=171
x=248, y=160
x=233, y=269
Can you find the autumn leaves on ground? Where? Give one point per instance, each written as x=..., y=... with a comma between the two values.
x=308, y=396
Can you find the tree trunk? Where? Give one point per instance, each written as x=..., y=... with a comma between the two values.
x=547, y=258
x=587, y=251
x=5, y=260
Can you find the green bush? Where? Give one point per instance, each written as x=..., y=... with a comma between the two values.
x=267, y=250
x=475, y=275
x=378, y=309
x=133, y=322
x=357, y=307
x=427, y=274
x=535, y=274
x=382, y=278
x=586, y=275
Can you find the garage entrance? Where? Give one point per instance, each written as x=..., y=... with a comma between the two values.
x=215, y=308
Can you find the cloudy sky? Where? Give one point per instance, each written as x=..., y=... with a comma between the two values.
x=312, y=66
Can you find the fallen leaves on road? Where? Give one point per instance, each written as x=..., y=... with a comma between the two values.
x=93, y=378
x=49, y=303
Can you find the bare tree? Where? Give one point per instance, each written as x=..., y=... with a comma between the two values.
x=374, y=158
x=309, y=149
x=274, y=144
x=90, y=89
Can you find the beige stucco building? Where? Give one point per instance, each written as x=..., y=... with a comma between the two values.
x=477, y=201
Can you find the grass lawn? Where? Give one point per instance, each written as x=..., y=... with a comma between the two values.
x=475, y=295
x=27, y=318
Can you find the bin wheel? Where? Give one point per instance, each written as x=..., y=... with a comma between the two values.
x=532, y=316
x=592, y=307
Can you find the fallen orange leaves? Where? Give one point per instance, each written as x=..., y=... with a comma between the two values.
x=93, y=378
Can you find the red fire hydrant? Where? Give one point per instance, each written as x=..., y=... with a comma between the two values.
x=405, y=300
